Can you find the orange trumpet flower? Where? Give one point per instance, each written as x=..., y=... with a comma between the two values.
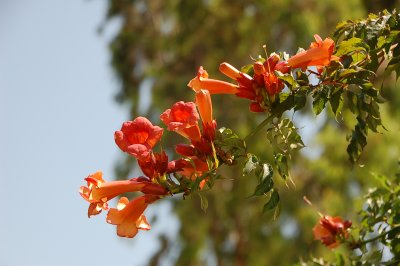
x=128, y=216
x=214, y=86
x=319, y=54
x=98, y=192
x=138, y=137
x=182, y=118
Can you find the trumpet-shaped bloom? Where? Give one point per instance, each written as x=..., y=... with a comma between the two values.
x=319, y=54
x=232, y=72
x=265, y=73
x=182, y=118
x=264, y=79
x=128, y=216
x=138, y=137
x=203, y=102
x=214, y=86
x=181, y=115
x=330, y=230
x=98, y=192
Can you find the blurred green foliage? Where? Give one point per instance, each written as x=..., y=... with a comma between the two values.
x=162, y=43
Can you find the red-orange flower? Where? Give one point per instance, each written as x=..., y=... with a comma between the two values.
x=263, y=80
x=319, y=54
x=154, y=165
x=214, y=86
x=264, y=74
x=182, y=118
x=138, y=137
x=185, y=149
x=331, y=230
x=98, y=192
x=195, y=168
x=203, y=86
x=203, y=102
x=128, y=216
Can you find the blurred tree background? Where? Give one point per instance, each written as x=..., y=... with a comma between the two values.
x=157, y=51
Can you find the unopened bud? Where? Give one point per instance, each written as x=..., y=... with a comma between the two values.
x=229, y=70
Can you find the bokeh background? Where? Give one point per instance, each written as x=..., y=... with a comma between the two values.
x=72, y=71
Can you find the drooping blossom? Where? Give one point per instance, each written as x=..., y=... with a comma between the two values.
x=182, y=118
x=331, y=230
x=138, y=137
x=319, y=54
x=98, y=192
x=129, y=217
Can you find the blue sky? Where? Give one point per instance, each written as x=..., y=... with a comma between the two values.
x=57, y=122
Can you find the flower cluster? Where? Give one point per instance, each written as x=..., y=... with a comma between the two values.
x=161, y=176
x=262, y=87
x=199, y=156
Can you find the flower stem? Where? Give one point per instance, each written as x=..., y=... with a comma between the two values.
x=260, y=126
x=361, y=243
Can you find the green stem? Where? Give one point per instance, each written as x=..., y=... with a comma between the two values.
x=260, y=126
x=361, y=243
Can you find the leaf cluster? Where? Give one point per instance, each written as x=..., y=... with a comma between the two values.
x=265, y=187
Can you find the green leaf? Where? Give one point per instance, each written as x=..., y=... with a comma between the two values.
x=288, y=80
x=264, y=187
x=347, y=73
x=373, y=257
x=339, y=259
x=203, y=202
x=351, y=46
x=394, y=65
x=230, y=143
x=264, y=171
x=302, y=78
x=336, y=102
x=383, y=180
x=273, y=202
x=282, y=164
x=247, y=68
x=264, y=174
x=284, y=137
x=320, y=100
x=251, y=164
x=300, y=99
x=358, y=140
